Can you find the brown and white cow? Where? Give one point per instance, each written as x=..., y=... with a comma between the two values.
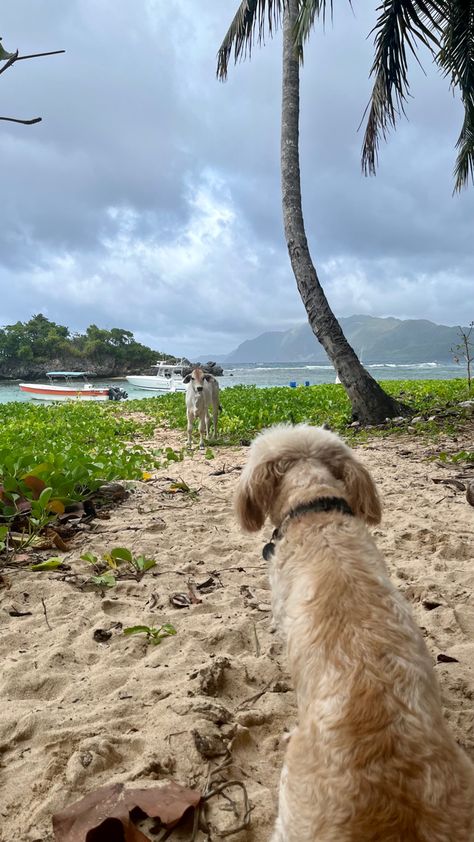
x=202, y=392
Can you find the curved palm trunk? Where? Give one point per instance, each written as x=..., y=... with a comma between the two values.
x=370, y=404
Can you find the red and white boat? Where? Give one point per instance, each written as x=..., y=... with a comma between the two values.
x=70, y=385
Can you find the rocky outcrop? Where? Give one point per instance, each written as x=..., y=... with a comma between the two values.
x=211, y=367
x=106, y=367
x=31, y=370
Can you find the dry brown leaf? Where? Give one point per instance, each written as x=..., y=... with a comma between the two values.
x=180, y=600
x=104, y=815
x=58, y=541
x=35, y=484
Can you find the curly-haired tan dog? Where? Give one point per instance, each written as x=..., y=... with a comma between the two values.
x=372, y=759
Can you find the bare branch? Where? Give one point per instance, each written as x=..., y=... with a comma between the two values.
x=14, y=58
x=24, y=122
x=38, y=55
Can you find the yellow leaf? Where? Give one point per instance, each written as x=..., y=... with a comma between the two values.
x=146, y=476
x=56, y=506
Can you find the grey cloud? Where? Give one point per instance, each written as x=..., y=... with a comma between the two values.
x=100, y=218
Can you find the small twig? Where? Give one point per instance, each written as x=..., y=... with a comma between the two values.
x=239, y=568
x=255, y=697
x=460, y=486
x=257, y=644
x=247, y=808
x=174, y=734
x=45, y=614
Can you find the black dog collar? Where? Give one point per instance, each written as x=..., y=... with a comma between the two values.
x=321, y=504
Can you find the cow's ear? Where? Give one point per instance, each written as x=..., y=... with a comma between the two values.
x=187, y=378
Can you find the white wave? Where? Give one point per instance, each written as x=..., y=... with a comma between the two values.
x=403, y=365
x=317, y=367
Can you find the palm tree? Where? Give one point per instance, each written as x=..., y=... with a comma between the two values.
x=370, y=404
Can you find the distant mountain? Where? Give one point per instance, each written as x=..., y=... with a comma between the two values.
x=374, y=340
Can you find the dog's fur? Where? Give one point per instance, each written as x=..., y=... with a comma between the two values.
x=371, y=759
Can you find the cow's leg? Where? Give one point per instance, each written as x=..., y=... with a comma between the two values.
x=190, y=427
x=215, y=415
x=203, y=427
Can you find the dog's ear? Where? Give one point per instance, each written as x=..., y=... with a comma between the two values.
x=255, y=492
x=361, y=491
x=187, y=378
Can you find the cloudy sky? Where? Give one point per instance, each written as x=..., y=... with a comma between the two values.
x=148, y=198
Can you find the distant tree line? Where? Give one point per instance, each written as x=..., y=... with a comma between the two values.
x=41, y=340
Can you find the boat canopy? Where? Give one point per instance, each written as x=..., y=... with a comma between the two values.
x=66, y=373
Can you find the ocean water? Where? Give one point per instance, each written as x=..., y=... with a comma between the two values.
x=280, y=374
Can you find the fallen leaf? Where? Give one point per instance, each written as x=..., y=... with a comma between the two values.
x=180, y=600
x=446, y=659
x=58, y=542
x=50, y=564
x=208, y=585
x=104, y=815
x=101, y=635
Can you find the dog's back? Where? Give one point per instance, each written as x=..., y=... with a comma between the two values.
x=372, y=759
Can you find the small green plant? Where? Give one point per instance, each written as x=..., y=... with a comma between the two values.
x=182, y=487
x=3, y=537
x=460, y=456
x=173, y=455
x=118, y=555
x=154, y=636
x=465, y=350
x=107, y=580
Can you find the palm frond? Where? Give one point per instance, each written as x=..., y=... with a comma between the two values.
x=309, y=12
x=456, y=58
x=248, y=27
x=401, y=25
x=464, y=167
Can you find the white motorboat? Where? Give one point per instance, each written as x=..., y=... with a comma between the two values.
x=70, y=385
x=168, y=378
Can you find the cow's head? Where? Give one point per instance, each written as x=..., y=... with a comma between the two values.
x=197, y=378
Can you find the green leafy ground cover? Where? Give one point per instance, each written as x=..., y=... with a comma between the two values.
x=247, y=409
x=51, y=456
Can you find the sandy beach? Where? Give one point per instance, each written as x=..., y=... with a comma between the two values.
x=79, y=711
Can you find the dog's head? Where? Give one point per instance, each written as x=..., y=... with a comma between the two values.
x=277, y=450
